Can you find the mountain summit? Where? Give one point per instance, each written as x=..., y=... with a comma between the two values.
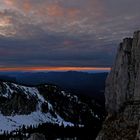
x=123, y=94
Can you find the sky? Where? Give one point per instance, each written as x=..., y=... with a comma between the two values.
x=62, y=33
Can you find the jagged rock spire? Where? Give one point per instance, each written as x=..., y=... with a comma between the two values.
x=123, y=82
x=123, y=94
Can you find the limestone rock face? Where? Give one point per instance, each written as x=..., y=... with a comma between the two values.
x=122, y=94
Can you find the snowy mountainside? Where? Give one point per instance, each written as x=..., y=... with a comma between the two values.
x=24, y=105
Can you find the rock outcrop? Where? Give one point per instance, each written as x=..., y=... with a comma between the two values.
x=123, y=94
x=37, y=136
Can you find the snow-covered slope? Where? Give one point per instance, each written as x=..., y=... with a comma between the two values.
x=18, y=119
x=23, y=105
x=10, y=123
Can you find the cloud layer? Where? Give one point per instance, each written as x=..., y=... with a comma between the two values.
x=64, y=33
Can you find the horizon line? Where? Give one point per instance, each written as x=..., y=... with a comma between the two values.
x=55, y=68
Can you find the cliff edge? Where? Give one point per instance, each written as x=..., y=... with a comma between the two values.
x=122, y=94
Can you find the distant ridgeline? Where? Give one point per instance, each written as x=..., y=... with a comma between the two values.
x=81, y=83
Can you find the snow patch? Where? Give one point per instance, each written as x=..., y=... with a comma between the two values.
x=11, y=123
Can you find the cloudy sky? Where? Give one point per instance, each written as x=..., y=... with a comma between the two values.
x=41, y=33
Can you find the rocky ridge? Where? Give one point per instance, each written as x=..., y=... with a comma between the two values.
x=123, y=94
x=27, y=105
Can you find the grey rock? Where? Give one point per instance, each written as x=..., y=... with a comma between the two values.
x=122, y=94
x=37, y=136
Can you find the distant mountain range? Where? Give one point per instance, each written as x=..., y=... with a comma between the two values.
x=83, y=83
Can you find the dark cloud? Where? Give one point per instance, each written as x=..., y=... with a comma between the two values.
x=64, y=33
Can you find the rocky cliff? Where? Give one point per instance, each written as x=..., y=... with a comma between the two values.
x=123, y=94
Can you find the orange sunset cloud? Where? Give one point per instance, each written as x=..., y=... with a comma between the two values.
x=54, y=69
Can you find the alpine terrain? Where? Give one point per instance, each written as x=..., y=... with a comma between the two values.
x=123, y=94
x=26, y=106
